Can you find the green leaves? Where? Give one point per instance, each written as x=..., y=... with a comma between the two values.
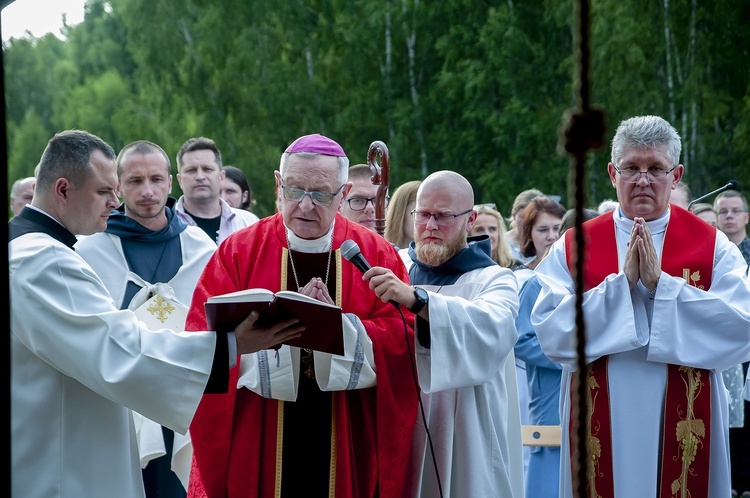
x=477, y=87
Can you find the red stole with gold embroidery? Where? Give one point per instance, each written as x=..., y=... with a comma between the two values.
x=690, y=243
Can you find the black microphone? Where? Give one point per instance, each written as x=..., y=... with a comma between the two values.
x=350, y=251
x=731, y=185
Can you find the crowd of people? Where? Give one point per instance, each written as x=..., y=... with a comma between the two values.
x=460, y=327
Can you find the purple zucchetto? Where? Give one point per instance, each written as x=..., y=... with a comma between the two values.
x=318, y=144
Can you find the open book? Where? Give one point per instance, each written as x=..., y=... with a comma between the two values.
x=324, y=331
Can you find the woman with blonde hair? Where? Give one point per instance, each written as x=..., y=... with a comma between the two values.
x=399, y=224
x=489, y=221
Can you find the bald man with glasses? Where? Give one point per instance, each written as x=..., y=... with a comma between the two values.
x=466, y=305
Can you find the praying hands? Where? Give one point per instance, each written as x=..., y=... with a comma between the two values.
x=317, y=289
x=641, y=261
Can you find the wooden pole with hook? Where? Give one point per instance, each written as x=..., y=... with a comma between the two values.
x=381, y=176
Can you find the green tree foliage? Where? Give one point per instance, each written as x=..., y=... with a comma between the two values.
x=477, y=87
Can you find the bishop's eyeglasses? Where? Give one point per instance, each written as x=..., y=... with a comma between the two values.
x=442, y=219
x=318, y=197
x=653, y=175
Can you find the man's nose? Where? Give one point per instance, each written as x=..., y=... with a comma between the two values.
x=148, y=189
x=431, y=221
x=643, y=179
x=306, y=204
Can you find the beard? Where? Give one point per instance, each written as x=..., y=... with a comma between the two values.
x=437, y=253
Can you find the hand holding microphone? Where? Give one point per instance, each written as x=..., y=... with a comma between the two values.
x=386, y=285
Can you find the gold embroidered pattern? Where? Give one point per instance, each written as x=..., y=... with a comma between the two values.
x=593, y=444
x=160, y=309
x=692, y=278
x=690, y=431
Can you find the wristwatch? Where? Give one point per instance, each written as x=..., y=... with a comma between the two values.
x=422, y=298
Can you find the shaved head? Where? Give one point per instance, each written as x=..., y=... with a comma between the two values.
x=448, y=194
x=453, y=185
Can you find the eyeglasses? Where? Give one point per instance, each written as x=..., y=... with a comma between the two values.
x=733, y=212
x=318, y=197
x=359, y=204
x=443, y=219
x=653, y=175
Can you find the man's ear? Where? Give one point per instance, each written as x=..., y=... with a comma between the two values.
x=677, y=174
x=612, y=172
x=62, y=189
x=470, y=221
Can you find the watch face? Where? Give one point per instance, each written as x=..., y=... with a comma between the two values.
x=421, y=296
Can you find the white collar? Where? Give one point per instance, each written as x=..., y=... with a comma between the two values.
x=625, y=224
x=321, y=244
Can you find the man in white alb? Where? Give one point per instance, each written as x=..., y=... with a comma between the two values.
x=665, y=308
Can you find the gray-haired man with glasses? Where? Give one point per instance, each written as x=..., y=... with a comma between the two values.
x=665, y=310
x=466, y=306
x=344, y=422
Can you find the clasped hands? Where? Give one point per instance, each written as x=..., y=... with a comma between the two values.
x=251, y=339
x=641, y=260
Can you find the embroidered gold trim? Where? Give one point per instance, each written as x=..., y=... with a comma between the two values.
x=279, y=448
x=332, y=461
x=284, y=259
x=593, y=443
x=690, y=431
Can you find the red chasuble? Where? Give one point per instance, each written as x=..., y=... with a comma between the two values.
x=237, y=437
x=689, y=249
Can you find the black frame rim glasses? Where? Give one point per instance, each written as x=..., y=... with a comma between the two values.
x=650, y=178
x=442, y=219
x=366, y=200
x=318, y=197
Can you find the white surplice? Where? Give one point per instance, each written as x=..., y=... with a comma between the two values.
x=104, y=252
x=469, y=391
x=682, y=325
x=79, y=366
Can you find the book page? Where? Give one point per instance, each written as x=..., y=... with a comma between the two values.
x=296, y=296
x=243, y=296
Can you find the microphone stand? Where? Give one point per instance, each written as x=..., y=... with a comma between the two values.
x=732, y=185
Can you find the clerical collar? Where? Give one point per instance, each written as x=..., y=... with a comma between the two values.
x=321, y=244
x=45, y=213
x=626, y=224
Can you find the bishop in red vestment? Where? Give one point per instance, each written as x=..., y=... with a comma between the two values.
x=305, y=423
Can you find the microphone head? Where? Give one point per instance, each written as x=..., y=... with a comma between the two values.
x=733, y=185
x=349, y=249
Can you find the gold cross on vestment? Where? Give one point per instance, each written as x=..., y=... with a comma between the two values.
x=160, y=309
